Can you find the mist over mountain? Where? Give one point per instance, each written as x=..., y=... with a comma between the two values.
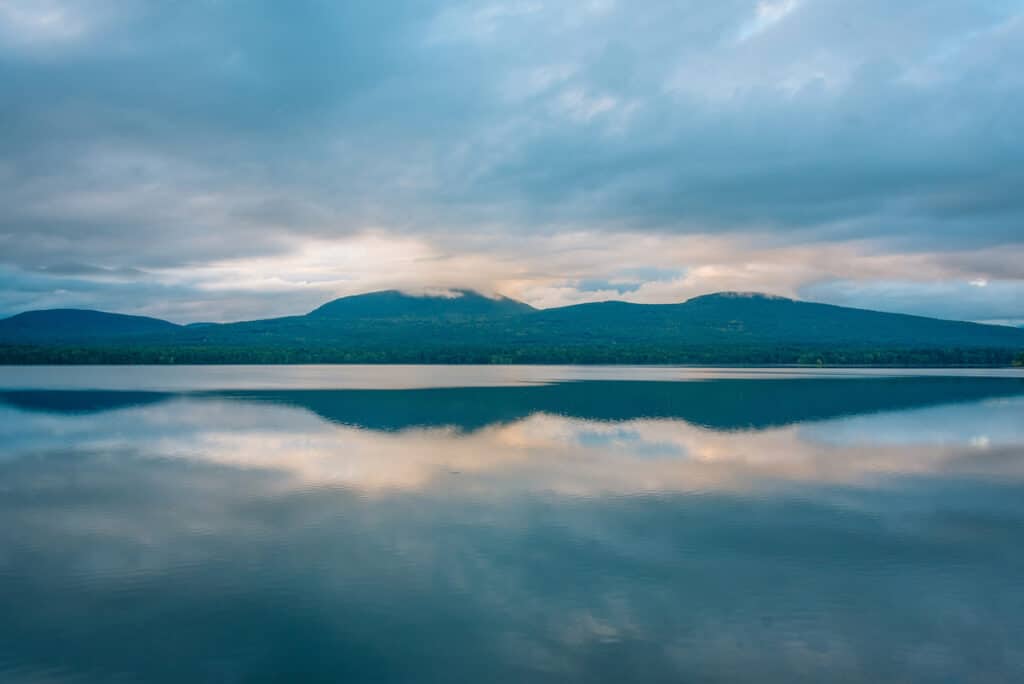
x=462, y=326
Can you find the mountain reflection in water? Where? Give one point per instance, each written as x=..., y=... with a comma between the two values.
x=725, y=530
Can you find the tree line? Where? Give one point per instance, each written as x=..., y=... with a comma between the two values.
x=505, y=354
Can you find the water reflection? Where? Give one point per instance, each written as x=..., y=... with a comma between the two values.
x=734, y=530
x=723, y=404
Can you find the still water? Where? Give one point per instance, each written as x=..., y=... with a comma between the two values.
x=510, y=525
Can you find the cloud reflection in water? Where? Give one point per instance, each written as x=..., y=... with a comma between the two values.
x=223, y=537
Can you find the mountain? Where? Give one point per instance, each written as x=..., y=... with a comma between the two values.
x=770, y=318
x=391, y=304
x=739, y=318
x=467, y=327
x=65, y=325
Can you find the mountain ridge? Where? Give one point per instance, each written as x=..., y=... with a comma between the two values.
x=397, y=304
x=464, y=326
x=82, y=322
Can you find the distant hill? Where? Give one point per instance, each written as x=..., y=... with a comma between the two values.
x=757, y=319
x=54, y=326
x=467, y=327
x=390, y=304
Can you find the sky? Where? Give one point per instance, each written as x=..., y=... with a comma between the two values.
x=218, y=160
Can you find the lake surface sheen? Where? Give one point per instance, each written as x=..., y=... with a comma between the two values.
x=510, y=524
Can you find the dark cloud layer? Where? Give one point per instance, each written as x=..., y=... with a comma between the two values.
x=146, y=138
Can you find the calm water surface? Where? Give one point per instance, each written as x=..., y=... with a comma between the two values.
x=515, y=524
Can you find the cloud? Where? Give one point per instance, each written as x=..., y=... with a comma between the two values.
x=180, y=141
x=765, y=16
x=37, y=25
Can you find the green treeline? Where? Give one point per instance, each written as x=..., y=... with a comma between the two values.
x=531, y=354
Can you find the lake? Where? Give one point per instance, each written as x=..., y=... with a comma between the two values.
x=510, y=524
